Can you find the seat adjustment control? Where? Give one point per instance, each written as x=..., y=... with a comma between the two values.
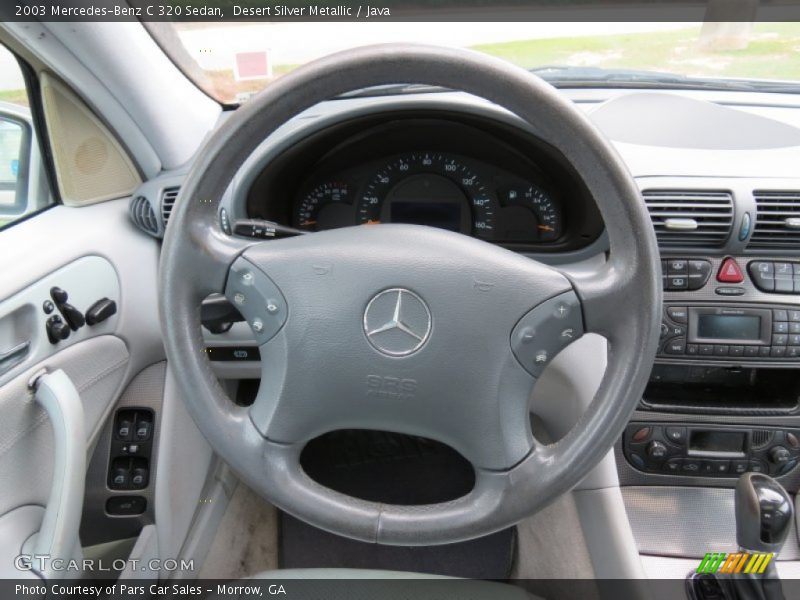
x=100, y=311
x=72, y=316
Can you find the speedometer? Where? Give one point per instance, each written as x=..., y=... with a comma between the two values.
x=429, y=188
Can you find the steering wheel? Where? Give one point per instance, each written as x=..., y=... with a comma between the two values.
x=406, y=328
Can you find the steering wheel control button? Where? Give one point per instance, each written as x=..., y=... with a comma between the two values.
x=730, y=272
x=257, y=298
x=546, y=330
x=397, y=322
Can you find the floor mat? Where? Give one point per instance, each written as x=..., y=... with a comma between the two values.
x=398, y=469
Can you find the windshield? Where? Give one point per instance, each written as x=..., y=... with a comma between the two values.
x=231, y=61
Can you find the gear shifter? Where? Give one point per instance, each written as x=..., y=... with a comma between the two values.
x=764, y=516
x=764, y=513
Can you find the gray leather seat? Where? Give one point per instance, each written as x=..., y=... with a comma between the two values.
x=336, y=584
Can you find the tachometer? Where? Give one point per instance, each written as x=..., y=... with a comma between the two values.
x=327, y=206
x=429, y=188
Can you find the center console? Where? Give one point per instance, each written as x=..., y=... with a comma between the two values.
x=724, y=395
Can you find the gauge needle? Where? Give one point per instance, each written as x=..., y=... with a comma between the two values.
x=373, y=222
x=545, y=227
x=305, y=223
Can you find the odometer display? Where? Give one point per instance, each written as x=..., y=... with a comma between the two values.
x=429, y=188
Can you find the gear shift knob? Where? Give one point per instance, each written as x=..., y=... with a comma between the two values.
x=764, y=513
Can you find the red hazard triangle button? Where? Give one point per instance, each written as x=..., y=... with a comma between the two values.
x=730, y=272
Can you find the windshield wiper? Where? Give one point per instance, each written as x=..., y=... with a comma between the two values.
x=567, y=76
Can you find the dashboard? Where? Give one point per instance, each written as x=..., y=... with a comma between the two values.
x=457, y=173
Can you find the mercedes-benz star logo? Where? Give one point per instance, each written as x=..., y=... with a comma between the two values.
x=397, y=322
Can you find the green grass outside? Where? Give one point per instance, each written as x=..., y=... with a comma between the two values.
x=773, y=52
x=14, y=97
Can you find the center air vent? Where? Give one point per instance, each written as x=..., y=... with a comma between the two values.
x=168, y=197
x=777, y=220
x=689, y=218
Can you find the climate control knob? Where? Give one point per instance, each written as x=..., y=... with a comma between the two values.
x=656, y=450
x=779, y=455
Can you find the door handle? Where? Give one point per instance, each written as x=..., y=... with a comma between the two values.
x=14, y=355
x=58, y=535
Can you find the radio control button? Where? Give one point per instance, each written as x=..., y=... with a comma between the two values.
x=679, y=314
x=751, y=350
x=764, y=351
x=794, y=316
x=692, y=349
x=676, y=330
x=794, y=339
x=780, y=339
x=720, y=350
x=763, y=275
x=780, y=315
x=794, y=327
x=780, y=327
x=793, y=352
x=730, y=272
x=756, y=466
x=737, y=351
x=778, y=352
x=706, y=349
x=676, y=346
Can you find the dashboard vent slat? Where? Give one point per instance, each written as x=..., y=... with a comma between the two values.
x=168, y=197
x=143, y=215
x=712, y=211
x=773, y=208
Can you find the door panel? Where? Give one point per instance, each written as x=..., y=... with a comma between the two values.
x=92, y=252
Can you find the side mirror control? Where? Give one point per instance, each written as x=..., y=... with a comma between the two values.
x=57, y=330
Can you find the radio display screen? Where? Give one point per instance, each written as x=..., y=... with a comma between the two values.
x=728, y=327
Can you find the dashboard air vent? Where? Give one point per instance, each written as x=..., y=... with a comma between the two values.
x=690, y=218
x=167, y=202
x=143, y=215
x=777, y=220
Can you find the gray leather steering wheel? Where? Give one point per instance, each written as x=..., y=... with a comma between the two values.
x=407, y=328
